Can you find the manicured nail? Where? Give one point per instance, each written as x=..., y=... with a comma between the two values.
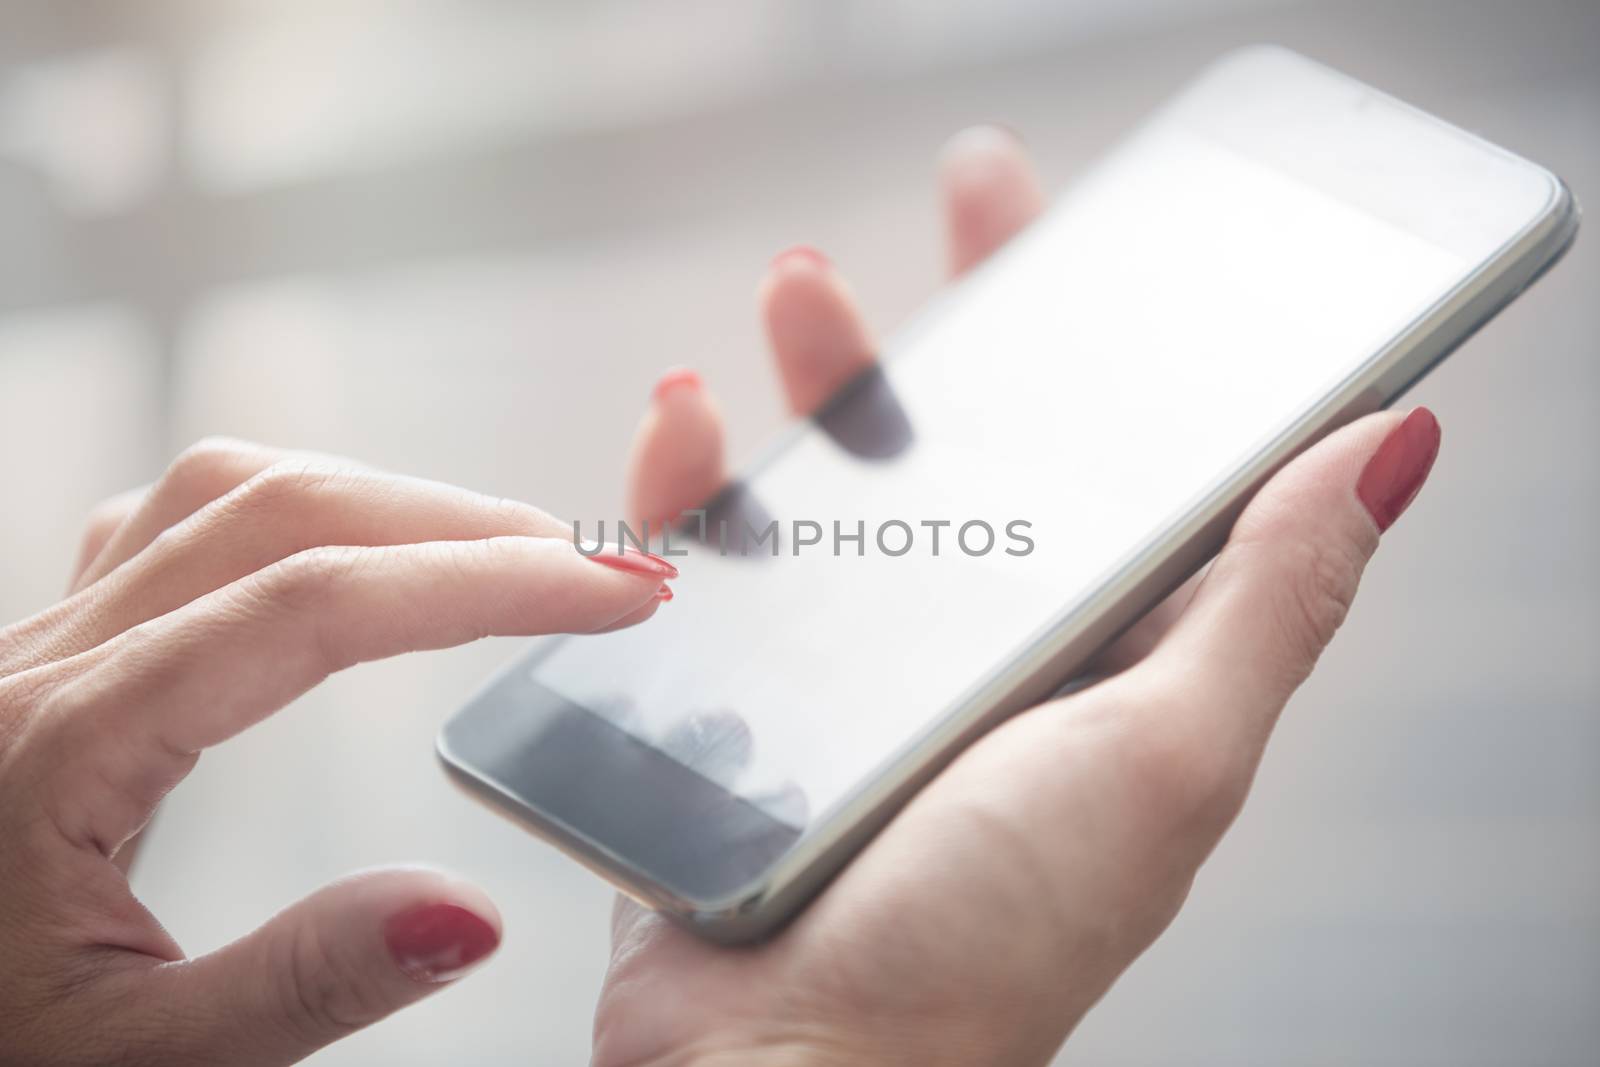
x=677, y=377
x=438, y=942
x=664, y=594
x=800, y=254
x=1395, y=473
x=635, y=562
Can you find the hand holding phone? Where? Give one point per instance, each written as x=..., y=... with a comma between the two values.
x=1004, y=901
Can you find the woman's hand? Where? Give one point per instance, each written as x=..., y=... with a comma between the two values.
x=982, y=924
x=242, y=579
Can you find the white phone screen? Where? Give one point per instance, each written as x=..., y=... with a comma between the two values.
x=1177, y=308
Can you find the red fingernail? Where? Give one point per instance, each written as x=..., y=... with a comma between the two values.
x=635, y=562
x=664, y=593
x=1395, y=473
x=673, y=379
x=800, y=254
x=438, y=942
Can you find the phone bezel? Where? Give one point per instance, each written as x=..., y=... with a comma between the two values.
x=755, y=907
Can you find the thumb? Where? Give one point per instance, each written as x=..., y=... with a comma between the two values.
x=1283, y=583
x=337, y=961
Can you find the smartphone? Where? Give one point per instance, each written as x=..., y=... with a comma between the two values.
x=1045, y=452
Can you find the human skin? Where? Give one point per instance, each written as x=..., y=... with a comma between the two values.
x=976, y=929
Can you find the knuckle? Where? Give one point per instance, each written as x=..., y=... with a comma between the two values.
x=1320, y=584
x=21, y=696
x=320, y=996
x=306, y=579
x=201, y=466
x=289, y=486
x=295, y=595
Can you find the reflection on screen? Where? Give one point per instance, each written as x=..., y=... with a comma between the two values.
x=1176, y=310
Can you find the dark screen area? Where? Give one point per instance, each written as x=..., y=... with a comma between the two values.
x=589, y=780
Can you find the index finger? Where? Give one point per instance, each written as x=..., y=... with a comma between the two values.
x=131, y=716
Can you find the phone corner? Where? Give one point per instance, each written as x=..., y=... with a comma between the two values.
x=444, y=749
x=1563, y=207
x=1554, y=227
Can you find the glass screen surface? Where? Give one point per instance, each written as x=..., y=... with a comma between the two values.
x=1175, y=310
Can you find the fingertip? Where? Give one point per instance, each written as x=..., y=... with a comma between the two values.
x=802, y=256
x=435, y=926
x=1399, y=467
x=676, y=380
x=818, y=336
x=980, y=141
x=682, y=392
x=559, y=585
x=473, y=897
x=987, y=168
x=990, y=191
x=439, y=941
x=634, y=617
x=354, y=951
x=677, y=457
x=800, y=273
x=392, y=888
x=629, y=559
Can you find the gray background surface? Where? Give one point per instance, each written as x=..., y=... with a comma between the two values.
x=460, y=238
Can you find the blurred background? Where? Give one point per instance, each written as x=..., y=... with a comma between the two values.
x=460, y=238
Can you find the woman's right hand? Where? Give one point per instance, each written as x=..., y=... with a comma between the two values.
x=241, y=579
x=1005, y=898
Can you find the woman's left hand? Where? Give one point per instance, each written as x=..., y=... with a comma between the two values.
x=242, y=579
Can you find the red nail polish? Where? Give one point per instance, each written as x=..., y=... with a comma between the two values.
x=438, y=942
x=673, y=379
x=664, y=594
x=635, y=562
x=801, y=254
x=1395, y=473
